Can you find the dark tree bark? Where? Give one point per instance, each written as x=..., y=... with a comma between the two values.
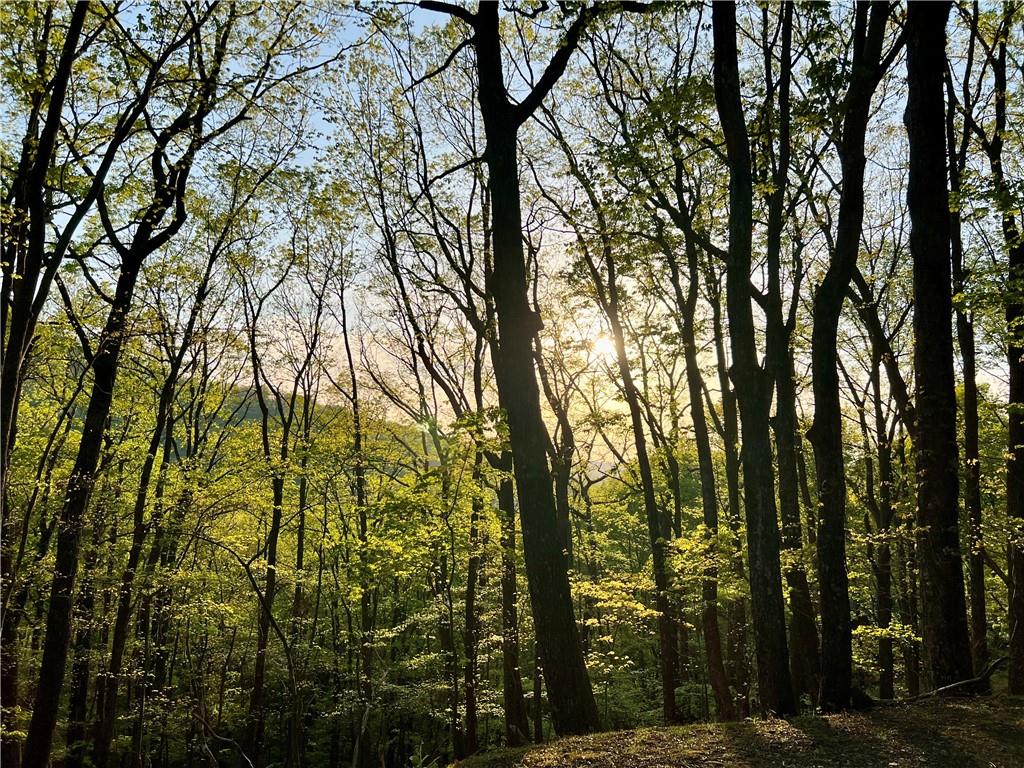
x=109, y=685
x=957, y=151
x=724, y=706
x=517, y=727
x=992, y=145
x=573, y=708
x=775, y=687
x=737, y=666
x=78, y=698
x=943, y=609
x=171, y=182
x=26, y=274
x=58, y=618
x=907, y=580
x=826, y=433
x=883, y=522
x=803, y=633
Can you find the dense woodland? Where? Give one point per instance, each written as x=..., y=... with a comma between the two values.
x=383, y=384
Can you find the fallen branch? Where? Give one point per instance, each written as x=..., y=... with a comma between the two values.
x=964, y=687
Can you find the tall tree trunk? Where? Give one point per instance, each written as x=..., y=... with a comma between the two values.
x=1014, y=243
x=658, y=527
x=687, y=304
x=775, y=688
x=968, y=357
x=826, y=433
x=803, y=634
x=83, y=476
x=78, y=700
x=110, y=683
x=736, y=662
x=471, y=617
x=804, y=650
x=573, y=708
x=943, y=609
x=257, y=706
x=907, y=575
x=883, y=524
x=27, y=273
x=26, y=276
x=517, y=727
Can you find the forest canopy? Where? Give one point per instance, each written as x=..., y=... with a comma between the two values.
x=383, y=384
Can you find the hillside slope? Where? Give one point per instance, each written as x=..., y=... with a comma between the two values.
x=962, y=733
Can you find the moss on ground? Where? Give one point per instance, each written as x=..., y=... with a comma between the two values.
x=960, y=733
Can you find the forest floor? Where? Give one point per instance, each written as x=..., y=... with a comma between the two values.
x=961, y=733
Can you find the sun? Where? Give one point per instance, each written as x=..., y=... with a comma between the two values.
x=603, y=347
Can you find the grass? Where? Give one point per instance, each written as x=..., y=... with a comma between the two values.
x=960, y=733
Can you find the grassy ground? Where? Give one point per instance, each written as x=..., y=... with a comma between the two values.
x=960, y=733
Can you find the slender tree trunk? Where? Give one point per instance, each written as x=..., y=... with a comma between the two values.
x=26, y=274
x=826, y=433
x=110, y=682
x=296, y=726
x=1014, y=312
x=658, y=525
x=69, y=533
x=517, y=728
x=883, y=524
x=804, y=662
x=944, y=612
x=24, y=247
x=972, y=453
x=724, y=707
x=471, y=617
x=257, y=705
x=804, y=650
x=736, y=663
x=78, y=700
x=775, y=688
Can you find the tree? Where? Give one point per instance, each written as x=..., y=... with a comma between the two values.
x=992, y=145
x=196, y=112
x=775, y=686
x=943, y=610
x=826, y=432
x=572, y=700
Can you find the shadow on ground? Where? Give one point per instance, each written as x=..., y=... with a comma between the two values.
x=963, y=733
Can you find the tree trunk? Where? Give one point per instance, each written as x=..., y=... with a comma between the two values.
x=573, y=708
x=110, y=683
x=972, y=454
x=471, y=617
x=257, y=715
x=775, y=688
x=804, y=650
x=826, y=433
x=1014, y=242
x=78, y=700
x=658, y=525
x=736, y=663
x=27, y=275
x=883, y=524
x=724, y=707
x=944, y=612
x=83, y=476
x=517, y=728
